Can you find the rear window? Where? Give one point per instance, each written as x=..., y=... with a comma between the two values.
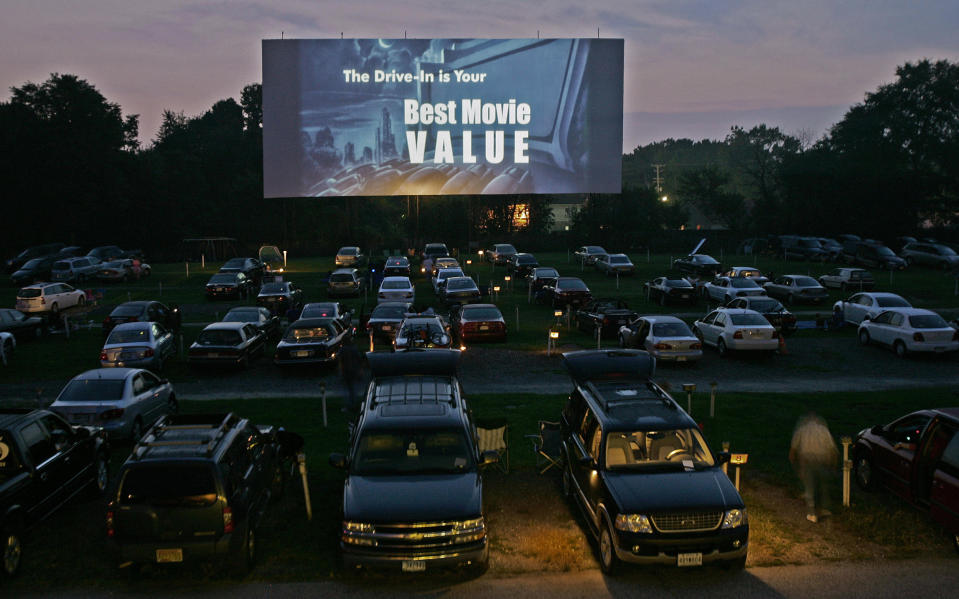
x=482, y=314
x=671, y=329
x=242, y=316
x=396, y=285
x=928, y=321
x=180, y=485
x=273, y=288
x=92, y=390
x=678, y=283
x=384, y=311
x=806, y=282
x=342, y=278
x=127, y=311
x=618, y=260
x=741, y=283
x=765, y=305
x=29, y=292
x=460, y=283
x=574, y=284
x=348, y=252
x=234, y=263
x=299, y=334
x=526, y=260
x=222, y=279
x=748, y=320
x=219, y=337
x=892, y=302
x=138, y=335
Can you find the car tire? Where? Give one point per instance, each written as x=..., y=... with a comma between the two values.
x=864, y=473
x=900, y=348
x=12, y=551
x=101, y=479
x=136, y=431
x=55, y=310
x=567, y=484
x=608, y=561
x=81, y=300
x=8, y=347
x=864, y=337
x=721, y=348
x=246, y=553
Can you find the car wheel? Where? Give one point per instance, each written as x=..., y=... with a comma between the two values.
x=102, y=476
x=136, y=432
x=81, y=300
x=567, y=484
x=55, y=310
x=862, y=469
x=842, y=286
x=721, y=348
x=900, y=348
x=172, y=406
x=246, y=554
x=864, y=337
x=608, y=561
x=8, y=347
x=12, y=552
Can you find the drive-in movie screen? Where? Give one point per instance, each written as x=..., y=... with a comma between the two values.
x=381, y=117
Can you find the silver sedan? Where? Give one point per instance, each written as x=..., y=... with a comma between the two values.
x=665, y=337
x=138, y=345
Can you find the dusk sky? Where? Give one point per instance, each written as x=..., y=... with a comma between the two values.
x=692, y=69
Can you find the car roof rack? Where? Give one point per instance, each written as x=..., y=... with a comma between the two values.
x=612, y=394
x=413, y=390
x=202, y=433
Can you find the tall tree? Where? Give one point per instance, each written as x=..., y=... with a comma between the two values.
x=706, y=188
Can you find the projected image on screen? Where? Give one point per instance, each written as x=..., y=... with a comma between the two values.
x=374, y=117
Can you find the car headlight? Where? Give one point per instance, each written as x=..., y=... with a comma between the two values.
x=633, y=523
x=476, y=524
x=734, y=518
x=362, y=527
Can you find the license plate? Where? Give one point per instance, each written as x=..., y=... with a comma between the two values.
x=484, y=328
x=414, y=566
x=685, y=296
x=302, y=353
x=169, y=555
x=689, y=559
x=387, y=327
x=680, y=358
x=213, y=355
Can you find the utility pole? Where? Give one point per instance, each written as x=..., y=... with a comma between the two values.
x=658, y=180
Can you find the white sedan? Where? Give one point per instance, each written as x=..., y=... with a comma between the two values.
x=869, y=304
x=725, y=289
x=664, y=337
x=396, y=289
x=736, y=329
x=908, y=330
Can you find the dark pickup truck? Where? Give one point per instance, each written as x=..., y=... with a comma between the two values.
x=606, y=313
x=44, y=462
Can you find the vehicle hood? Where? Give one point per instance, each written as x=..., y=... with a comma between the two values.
x=413, y=498
x=646, y=492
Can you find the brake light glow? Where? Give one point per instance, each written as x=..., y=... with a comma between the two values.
x=111, y=414
x=662, y=346
x=738, y=335
x=228, y=525
x=918, y=337
x=111, y=521
x=696, y=346
x=103, y=356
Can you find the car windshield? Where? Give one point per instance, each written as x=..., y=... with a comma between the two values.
x=884, y=251
x=273, y=288
x=219, y=337
x=242, y=316
x=742, y=283
x=234, y=263
x=397, y=262
x=460, y=283
x=29, y=292
x=318, y=311
x=172, y=485
x=678, y=283
x=505, y=248
x=680, y=448
x=748, y=320
x=886, y=301
x=447, y=273
x=85, y=390
x=347, y=252
x=750, y=273
x=482, y=314
x=671, y=329
x=703, y=259
x=574, y=284
x=307, y=334
x=131, y=335
x=805, y=282
x=221, y=279
x=765, y=305
x=928, y=321
x=61, y=265
x=34, y=263
x=443, y=451
x=396, y=285
x=542, y=273
x=945, y=250
x=425, y=329
x=386, y=311
x=343, y=277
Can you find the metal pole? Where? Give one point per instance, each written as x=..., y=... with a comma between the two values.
x=66, y=326
x=846, y=470
x=323, y=393
x=187, y=269
x=737, y=476
x=617, y=280
x=599, y=333
x=517, y=318
x=712, y=400
x=726, y=464
x=202, y=261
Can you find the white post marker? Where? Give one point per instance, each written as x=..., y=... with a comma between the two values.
x=712, y=399
x=846, y=470
x=617, y=280
x=599, y=333
x=323, y=395
x=301, y=460
x=202, y=261
x=66, y=326
x=739, y=460
x=689, y=388
x=187, y=269
x=284, y=258
x=517, y=318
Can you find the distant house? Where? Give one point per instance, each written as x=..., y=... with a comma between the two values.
x=563, y=210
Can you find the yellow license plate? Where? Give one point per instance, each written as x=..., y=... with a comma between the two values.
x=169, y=555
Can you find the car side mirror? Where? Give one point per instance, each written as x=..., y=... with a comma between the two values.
x=587, y=462
x=338, y=461
x=489, y=457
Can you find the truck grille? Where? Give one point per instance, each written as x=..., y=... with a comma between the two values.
x=418, y=537
x=687, y=521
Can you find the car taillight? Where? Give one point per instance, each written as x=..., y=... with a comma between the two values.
x=662, y=346
x=111, y=521
x=148, y=352
x=918, y=337
x=228, y=519
x=605, y=320
x=738, y=335
x=696, y=346
x=775, y=334
x=43, y=300
x=103, y=356
x=106, y=320
x=470, y=326
x=111, y=414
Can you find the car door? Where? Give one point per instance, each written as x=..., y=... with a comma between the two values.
x=708, y=329
x=155, y=396
x=585, y=462
x=47, y=488
x=164, y=341
x=944, y=487
x=73, y=458
x=895, y=452
x=855, y=307
x=881, y=328
x=255, y=339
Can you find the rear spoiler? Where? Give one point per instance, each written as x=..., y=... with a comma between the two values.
x=590, y=365
x=441, y=362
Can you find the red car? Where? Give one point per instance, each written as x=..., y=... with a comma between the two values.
x=917, y=458
x=478, y=322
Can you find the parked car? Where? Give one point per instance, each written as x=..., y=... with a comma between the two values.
x=640, y=471
x=478, y=322
x=228, y=344
x=396, y=289
x=345, y=281
x=311, y=341
x=566, y=291
x=271, y=258
x=36, y=251
x=442, y=263
x=848, y=278
x=439, y=279
x=434, y=250
x=723, y=289
x=587, y=254
x=615, y=264
x=770, y=308
x=874, y=255
x=197, y=488
x=915, y=457
x=144, y=311
x=748, y=272
x=335, y=310
x=45, y=464
x=231, y=285
x=931, y=254
x=18, y=324
x=796, y=288
x=606, y=313
x=663, y=337
x=280, y=297
x=49, y=297
x=729, y=329
x=124, y=402
x=868, y=304
x=385, y=319
x=459, y=290
x=802, y=248
x=33, y=270
x=251, y=268
x=259, y=316
x=413, y=494
x=832, y=248
x=422, y=331
x=107, y=253
x=909, y=330
x=500, y=253
x=397, y=266
x=542, y=275
x=138, y=345
x=349, y=256
x=75, y=270
x=699, y=265
x=521, y=265
x=670, y=289
x=122, y=270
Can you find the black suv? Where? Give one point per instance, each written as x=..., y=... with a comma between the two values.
x=195, y=487
x=413, y=493
x=650, y=489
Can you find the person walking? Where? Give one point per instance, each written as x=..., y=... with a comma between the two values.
x=813, y=453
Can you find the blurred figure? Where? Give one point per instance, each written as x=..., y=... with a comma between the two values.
x=813, y=454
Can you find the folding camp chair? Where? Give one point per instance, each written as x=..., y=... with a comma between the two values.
x=493, y=435
x=548, y=446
